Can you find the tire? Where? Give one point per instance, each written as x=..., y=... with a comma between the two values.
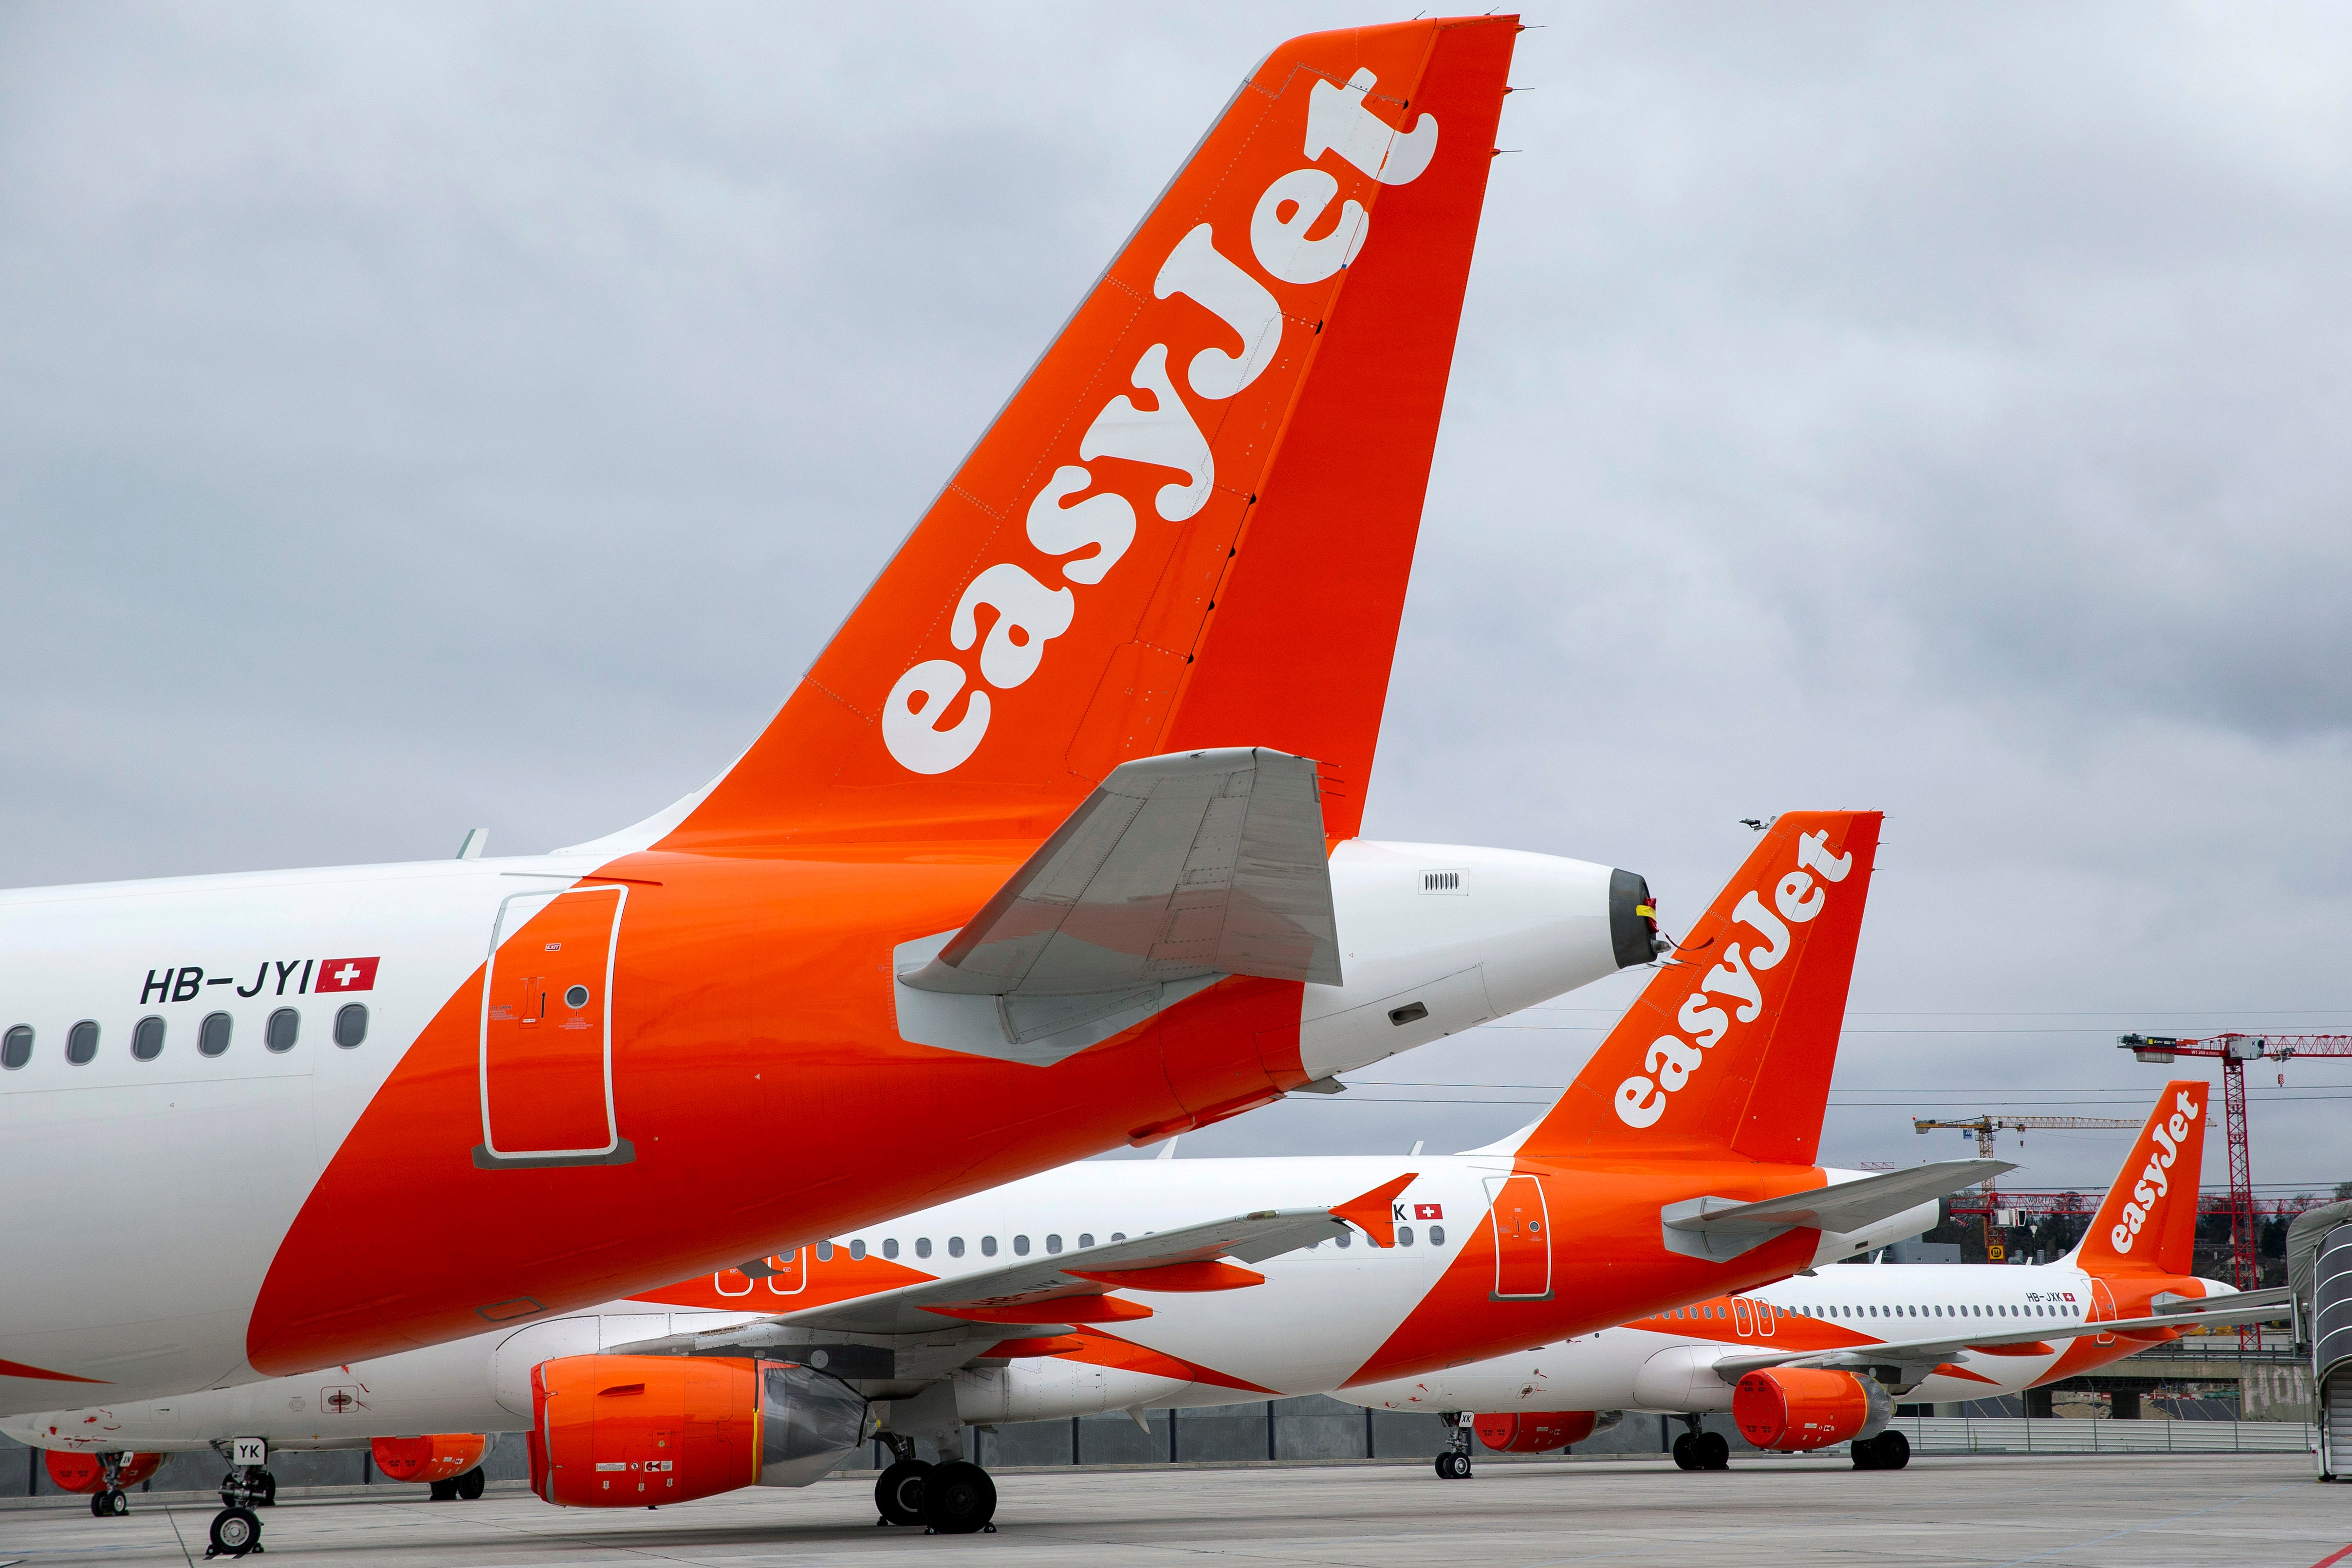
x=1865, y=1454
x=958, y=1498
x=1684, y=1460
x=470, y=1485
x=235, y=1531
x=98, y=1505
x=443, y=1491
x=899, y=1491
x=1453, y=1466
x=117, y=1504
x=265, y=1492
x=1893, y=1450
x=1712, y=1450
x=230, y=1499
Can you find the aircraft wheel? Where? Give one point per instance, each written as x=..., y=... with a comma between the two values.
x=1865, y=1454
x=1712, y=1450
x=235, y=1531
x=116, y=1503
x=98, y=1509
x=470, y=1484
x=265, y=1490
x=1894, y=1450
x=958, y=1499
x=443, y=1491
x=899, y=1491
x=1684, y=1460
x=1453, y=1466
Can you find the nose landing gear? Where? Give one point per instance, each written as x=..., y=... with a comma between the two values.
x=1453, y=1464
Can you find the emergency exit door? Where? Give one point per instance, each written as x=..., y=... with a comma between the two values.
x=1515, y=1208
x=547, y=1032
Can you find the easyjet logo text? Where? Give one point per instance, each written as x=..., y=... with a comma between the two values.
x=1093, y=528
x=2154, y=1177
x=1671, y=1060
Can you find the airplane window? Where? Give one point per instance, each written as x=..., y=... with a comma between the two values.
x=889, y=1247
x=81, y=1044
x=923, y=1245
x=1119, y=1236
x=18, y=1050
x=1085, y=1237
x=1437, y=1236
x=1346, y=1238
x=988, y=1246
x=351, y=1024
x=858, y=1250
x=212, y=1035
x=147, y=1040
x=283, y=1027
x=1404, y=1235
x=1053, y=1242
x=824, y=1251
x=1021, y=1247
x=955, y=1246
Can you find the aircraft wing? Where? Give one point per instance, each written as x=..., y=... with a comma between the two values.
x=1177, y=867
x=2247, y=1307
x=1722, y=1228
x=1035, y=1296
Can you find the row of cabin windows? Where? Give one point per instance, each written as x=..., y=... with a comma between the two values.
x=2028, y=1310
x=281, y=1031
x=1054, y=1244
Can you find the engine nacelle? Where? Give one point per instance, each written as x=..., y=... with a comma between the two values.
x=436, y=1458
x=1795, y=1410
x=635, y=1431
x=1539, y=1432
x=87, y=1472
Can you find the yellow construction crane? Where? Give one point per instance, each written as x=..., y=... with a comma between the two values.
x=1984, y=1127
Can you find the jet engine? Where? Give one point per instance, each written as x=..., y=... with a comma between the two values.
x=1794, y=1408
x=436, y=1457
x=1539, y=1432
x=87, y=1472
x=637, y=1431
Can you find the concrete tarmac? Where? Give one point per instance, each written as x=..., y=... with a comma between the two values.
x=2144, y=1511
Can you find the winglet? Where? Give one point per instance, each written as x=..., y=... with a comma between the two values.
x=1373, y=1213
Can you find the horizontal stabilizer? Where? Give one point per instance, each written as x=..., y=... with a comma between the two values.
x=1720, y=1228
x=1179, y=867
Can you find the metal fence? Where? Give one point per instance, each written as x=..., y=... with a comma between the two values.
x=2021, y=1434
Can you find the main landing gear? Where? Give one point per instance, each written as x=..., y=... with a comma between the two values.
x=459, y=1488
x=236, y=1529
x=1890, y=1450
x=1698, y=1449
x=1453, y=1464
x=954, y=1497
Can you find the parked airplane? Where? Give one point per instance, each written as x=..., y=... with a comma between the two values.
x=1818, y=1359
x=1033, y=862
x=1677, y=1165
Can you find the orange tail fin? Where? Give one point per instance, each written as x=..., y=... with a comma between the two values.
x=1190, y=525
x=1730, y=1048
x=2148, y=1222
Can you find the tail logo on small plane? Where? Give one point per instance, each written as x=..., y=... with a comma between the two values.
x=1671, y=1060
x=2154, y=1178
x=1028, y=613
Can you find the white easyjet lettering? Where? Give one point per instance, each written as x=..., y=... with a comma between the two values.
x=1167, y=434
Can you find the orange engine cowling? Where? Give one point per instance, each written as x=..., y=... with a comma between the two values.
x=87, y=1472
x=1794, y=1409
x=432, y=1458
x=1538, y=1432
x=633, y=1431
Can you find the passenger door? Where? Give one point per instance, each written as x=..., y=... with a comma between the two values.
x=1515, y=1207
x=547, y=1028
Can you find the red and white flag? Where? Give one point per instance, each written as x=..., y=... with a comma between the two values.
x=346, y=975
x=1428, y=1211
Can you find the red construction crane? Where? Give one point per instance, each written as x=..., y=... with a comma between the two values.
x=1984, y=1127
x=2235, y=1051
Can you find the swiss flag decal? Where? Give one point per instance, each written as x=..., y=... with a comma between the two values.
x=1429, y=1211
x=346, y=975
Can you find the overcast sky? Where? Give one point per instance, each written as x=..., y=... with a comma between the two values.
x=425, y=417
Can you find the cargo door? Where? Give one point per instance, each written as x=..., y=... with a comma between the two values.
x=547, y=1032
x=1515, y=1208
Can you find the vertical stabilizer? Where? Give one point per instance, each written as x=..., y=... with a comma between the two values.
x=1190, y=525
x=2148, y=1222
x=1730, y=1050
